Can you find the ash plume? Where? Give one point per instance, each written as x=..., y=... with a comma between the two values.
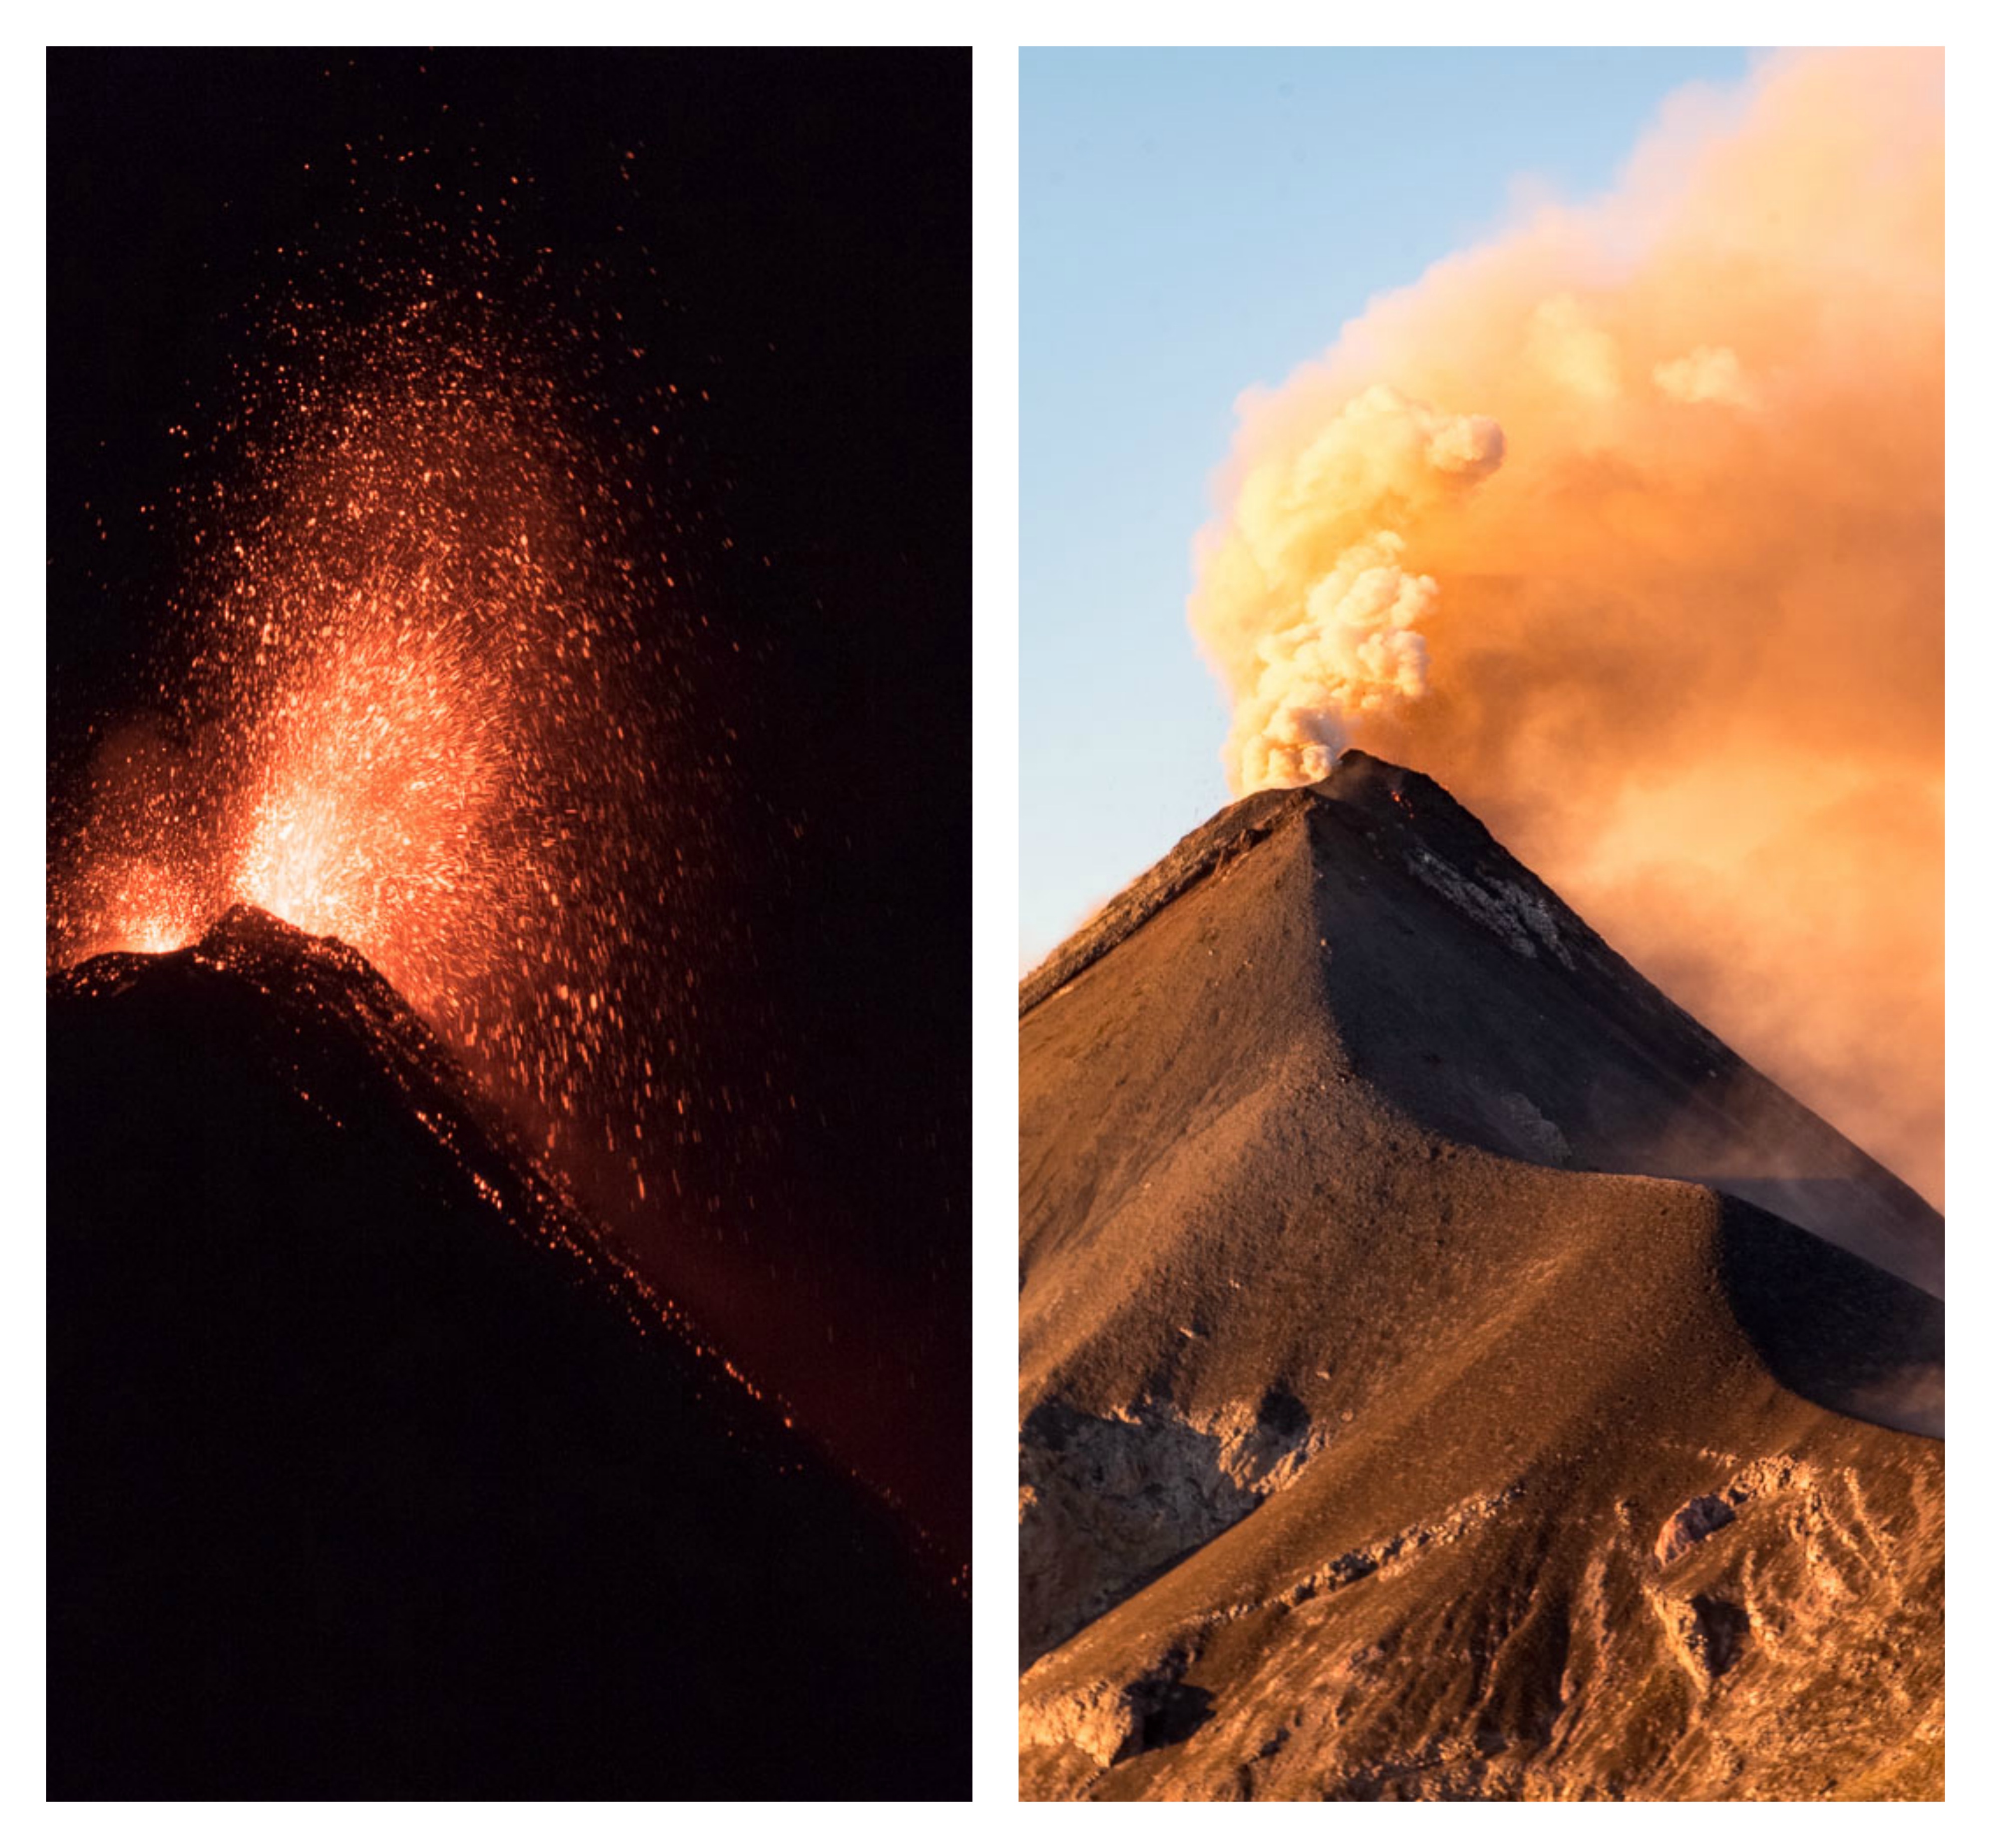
x=1635, y=511
x=1328, y=608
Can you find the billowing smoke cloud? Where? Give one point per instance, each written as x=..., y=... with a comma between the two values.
x=1310, y=610
x=1628, y=526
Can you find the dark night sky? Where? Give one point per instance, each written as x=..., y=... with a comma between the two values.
x=808, y=215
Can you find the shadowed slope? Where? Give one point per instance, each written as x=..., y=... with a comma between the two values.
x=374, y=1473
x=1371, y=1447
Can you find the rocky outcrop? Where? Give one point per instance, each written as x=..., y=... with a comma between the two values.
x=1693, y=1524
x=1106, y=1502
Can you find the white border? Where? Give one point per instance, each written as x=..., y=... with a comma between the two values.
x=997, y=863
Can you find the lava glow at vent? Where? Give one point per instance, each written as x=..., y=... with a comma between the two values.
x=378, y=815
x=408, y=704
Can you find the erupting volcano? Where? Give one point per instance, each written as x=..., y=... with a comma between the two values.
x=406, y=695
x=1482, y=1247
x=508, y=1326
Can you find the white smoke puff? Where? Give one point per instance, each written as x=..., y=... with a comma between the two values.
x=1308, y=612
x=1467, y=447
x=1382, y=452
x=1709, y=375
x=1357, y=651
x=1382, y=441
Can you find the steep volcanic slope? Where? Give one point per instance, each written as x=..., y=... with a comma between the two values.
x=373, y=1471
x=1386, y=1433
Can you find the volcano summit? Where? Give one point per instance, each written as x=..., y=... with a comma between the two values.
x=1448, y=1371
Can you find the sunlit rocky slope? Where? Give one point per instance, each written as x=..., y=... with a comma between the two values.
x=1448, y=1370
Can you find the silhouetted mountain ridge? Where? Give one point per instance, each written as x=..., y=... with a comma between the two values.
x=375, y=1472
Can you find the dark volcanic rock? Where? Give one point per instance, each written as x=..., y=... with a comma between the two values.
x=1340, y=1110
x=1694, y=1523
x=374, y=1472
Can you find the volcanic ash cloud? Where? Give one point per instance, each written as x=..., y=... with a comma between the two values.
x=1316, y=614
x=1628, y=525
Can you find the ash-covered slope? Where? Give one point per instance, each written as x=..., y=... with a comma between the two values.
x=373, y=1472
x=1558, y=1052
x=1387, y=1430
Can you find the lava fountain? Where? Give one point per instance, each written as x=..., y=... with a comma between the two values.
x=407, y=701
x=380, y=808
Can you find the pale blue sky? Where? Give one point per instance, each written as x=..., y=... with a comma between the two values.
x=1194, y=223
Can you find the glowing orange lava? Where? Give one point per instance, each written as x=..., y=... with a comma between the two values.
x=376, y=814
x=412, y=710
x=157, y=913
